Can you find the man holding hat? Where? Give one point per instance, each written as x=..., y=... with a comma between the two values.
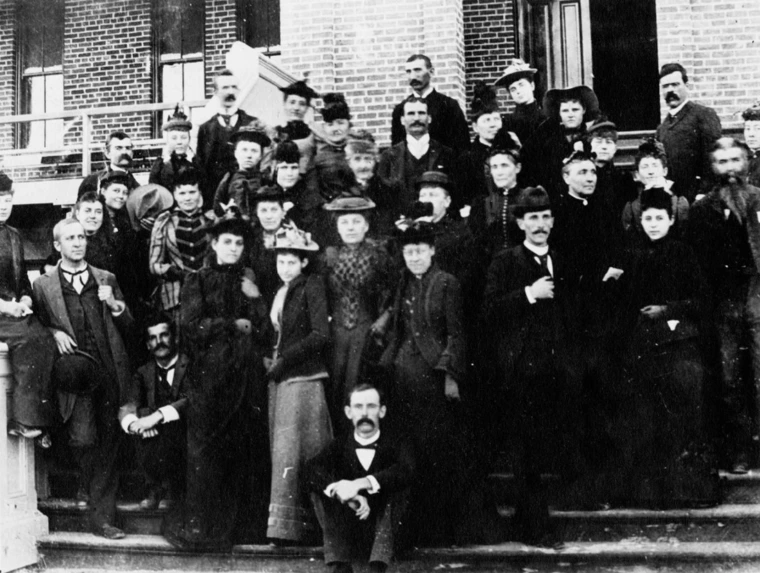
x=119, y=151
x=214, y=155
x=751, y=117
x=85, y=312
x=449, y=126
x=519, y=79
x=176, y=153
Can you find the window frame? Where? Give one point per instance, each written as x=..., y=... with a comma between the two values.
x=242, y=30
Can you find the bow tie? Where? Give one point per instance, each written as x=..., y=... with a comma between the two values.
x=372, y=446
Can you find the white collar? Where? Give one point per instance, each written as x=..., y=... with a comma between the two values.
x=366, y=441
x=418, y=147
x=426, y=93
x=538, y=251
x=675, y=110
x=578, y=198
x=172, y=362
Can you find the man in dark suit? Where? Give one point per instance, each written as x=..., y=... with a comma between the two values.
x=359, y=483
x=119, y=151
x=84, y=309
x=525, y=311
x=687, y=132
x=404, y=163
x=153, y=413
x=214, y=155
x=449, y=126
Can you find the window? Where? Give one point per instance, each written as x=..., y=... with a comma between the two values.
x=179, y=39
x=259, y=23
x=41, y=70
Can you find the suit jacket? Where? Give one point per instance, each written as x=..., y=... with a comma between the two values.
x=92, y=181
x=141, y=399
x=449, y=125
x=392, y=170
x=52, y=312
x=214, y=154
x=687, y=138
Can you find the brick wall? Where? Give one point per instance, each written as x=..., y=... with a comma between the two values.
x=359, y=47
x=719, y=45
x=7, y=68
x=220, y=33
x=490, y=39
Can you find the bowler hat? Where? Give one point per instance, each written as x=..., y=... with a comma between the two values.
x=532, y=200
x=177, y=121
x=147, y=201
x=516, y=70
x=583, y=94
x=254, y=131
x=77, y=373
x=300, y=88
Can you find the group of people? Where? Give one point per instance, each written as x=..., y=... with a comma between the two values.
x=251, y=316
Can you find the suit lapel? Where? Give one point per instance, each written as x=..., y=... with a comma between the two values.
x=680, y=115
x=54, y=295
x=179, y=374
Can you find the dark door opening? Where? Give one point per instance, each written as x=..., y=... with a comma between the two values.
x=624, y=53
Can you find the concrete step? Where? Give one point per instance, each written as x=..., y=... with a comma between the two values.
x=69, y=551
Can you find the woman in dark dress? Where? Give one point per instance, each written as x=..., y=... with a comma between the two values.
x=669, y=460
x=227, y=470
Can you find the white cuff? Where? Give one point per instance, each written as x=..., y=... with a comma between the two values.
x=127, y=420
x=122, y=308
x=375, y=485
x=531, y=298
x=170, y=414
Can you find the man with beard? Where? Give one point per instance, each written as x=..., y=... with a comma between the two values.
x=359, y=483
x=724, y=230
x=214, y=156
x=119, y=151
x=751, y=117
x=519, y=79
x=687, y=132
x=152, y=413
x=404, y=163
x=449, y=125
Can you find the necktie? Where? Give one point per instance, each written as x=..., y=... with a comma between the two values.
x=543, y=260
x=227, y=119
x=372, y=446
x=77, y=279
x=163, y=374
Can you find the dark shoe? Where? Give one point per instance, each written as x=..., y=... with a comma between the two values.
x=22, y=431
x=109, y=532
x=83, y=498
x=153, y=500
x=740, y=465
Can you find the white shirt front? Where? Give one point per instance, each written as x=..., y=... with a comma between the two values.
x=418, y=147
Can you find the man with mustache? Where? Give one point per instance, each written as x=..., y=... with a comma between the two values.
x=687, y=132
x=724, y=230
x=450, y=126
x=214, y=155
x=359, y=484
x=152, y=413
x=119, y=151
x=403, y=164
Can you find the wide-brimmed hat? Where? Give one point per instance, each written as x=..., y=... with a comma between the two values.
x=300, y=88
x=254, y=131
x=350, y=203
x=291, y=238
x=77, y=373
x=148, y=201
x=434, y=178
x=177, y=121
x=583, y=94
x=516, y=70
x=532, y=200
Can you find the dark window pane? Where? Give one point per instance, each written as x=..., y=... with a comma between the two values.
x=261, y=22
x=192, y=27
x=54, y=14
x=170, y=27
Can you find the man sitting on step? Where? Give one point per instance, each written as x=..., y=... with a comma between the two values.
x=152, y=412
x=359, y=483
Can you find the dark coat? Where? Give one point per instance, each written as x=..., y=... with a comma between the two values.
x=753, y=171
x=524, y=120
x=438, y=329
x=215, y=155
x=92, y=181
x=141, y=400
x=305, y=329
x=163, y=170
x=449, y=125
x=472, y=182
x=687, y=139
x=392, y=170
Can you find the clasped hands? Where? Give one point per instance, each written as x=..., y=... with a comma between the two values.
x=347, y=492
x=145, y=427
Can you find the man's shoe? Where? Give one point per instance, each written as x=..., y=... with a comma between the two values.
x=109, y=532
x=153, y=499
x=83, y=498
x=740, y=465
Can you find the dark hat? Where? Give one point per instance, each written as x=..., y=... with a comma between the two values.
x=350, y=203
x=583, y=94
x=287, y=152
x=416, y=233
x=186, y=175
x=484, y=100
x=300, y=88
x=291, y=238
x=177, y=121
x=532, y=200
x=335, y=107
x=77, y=373
x=505, y=144
x=254, y=131
x=147, y=201
x=6, y=183
x=434, y=178
x=601, y=124
x=231, y=223
x=334, y=176
x=656, y=198
x=361, y=141
x=752, y=113
x=115, y=176
x=580, y=155
x=419, y=209
x=269, y=193
x=650, y=147
x=516, y=70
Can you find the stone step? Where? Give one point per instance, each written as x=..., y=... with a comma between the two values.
x=69, y=551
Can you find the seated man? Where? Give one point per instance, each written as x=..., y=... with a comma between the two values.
x=153, y=413
x=32, y=350
x=359, y=482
